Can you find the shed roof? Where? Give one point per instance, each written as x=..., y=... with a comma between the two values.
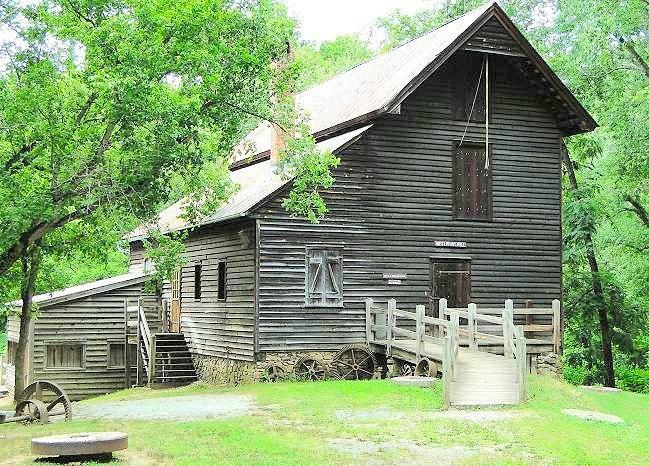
x=256, y=183
x=86, y=289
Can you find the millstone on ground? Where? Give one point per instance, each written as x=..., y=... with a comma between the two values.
x=414, y=381
x=593, y=416
x=82, y=444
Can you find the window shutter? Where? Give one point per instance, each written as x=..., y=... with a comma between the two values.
x=324, y=284
x=472, y=183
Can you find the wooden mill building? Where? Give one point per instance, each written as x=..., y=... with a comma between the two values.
x=449, y=186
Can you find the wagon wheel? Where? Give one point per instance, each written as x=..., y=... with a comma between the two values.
x=274, y=373
x=35, y=409
x=426, y=368
x=406, y=369
x=55, y=399
x=354, y=363
x=310, y=369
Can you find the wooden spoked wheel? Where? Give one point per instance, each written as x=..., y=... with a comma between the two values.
x=53, y=397
x=274, y=373
x=426, y=368
x=310, y=369
x=354, y=363
x=406, y=369
x=35, y=410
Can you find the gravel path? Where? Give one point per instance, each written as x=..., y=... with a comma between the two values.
x=168, y=408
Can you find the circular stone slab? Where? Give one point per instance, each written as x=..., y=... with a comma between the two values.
x=80, y=444
x=414, y=381
x=593, y=416
x=596, y=388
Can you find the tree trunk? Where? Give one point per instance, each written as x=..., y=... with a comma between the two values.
x=638, y=209
x=596, y=282
x=30, y=262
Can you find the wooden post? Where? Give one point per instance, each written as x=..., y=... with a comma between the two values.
x=421, y=329
x=139, y=377
x=521, y=356
x=368, y=320
x=392, y=305
x=508, y=328
x=165, y=317
x=455, y=318
x=473, y=344
x=556, y=324
x=447, y=370
x=127, y=330
x=443, y=304
x=152, y=358
x=2, y=368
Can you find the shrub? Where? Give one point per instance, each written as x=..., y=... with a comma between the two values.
x=632, y=379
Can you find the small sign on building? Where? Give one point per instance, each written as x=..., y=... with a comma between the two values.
x=450, y=244
x=395, y=278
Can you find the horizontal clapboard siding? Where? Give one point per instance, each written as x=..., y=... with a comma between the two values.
x=93, y=321
x=393, y=197
x=211, y=326
x=136, y=256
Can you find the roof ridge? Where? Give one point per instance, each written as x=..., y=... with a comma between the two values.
x=369, y=60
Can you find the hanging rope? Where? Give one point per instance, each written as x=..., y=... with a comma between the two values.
x=475, y=97
x=486, y=119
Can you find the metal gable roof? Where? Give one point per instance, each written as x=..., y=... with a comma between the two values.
x=354, y=98
x=367, y=88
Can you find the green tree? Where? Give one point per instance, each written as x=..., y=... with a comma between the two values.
x=102, y=101
x=318, y=63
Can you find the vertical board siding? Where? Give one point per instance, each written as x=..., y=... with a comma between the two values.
x=211, y=326
x=393, y=197
x=93, y=321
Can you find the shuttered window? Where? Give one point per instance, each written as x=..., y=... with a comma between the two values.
x=324, y=278
x=116, y=356
x=469, y=87
x=198, y=272
x=68, y=355
x=221, y=275
x=12, y=346
x=472, y=183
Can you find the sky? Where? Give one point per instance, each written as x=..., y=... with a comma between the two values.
x=322, y=20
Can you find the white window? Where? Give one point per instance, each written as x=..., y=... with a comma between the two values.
x=324, y=277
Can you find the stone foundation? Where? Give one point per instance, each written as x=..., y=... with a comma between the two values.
x=546, y=364
x=219, y=371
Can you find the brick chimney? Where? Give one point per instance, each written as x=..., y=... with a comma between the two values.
x=277, y=134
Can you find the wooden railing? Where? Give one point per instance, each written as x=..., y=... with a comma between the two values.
x=381, y=326
x=146, y=345
x=512, y=338
x=491, y=327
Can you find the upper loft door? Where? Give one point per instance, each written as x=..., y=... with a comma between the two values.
x=174, y=318
x=450, y=278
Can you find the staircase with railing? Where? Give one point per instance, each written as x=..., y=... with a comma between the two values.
x=163, y=358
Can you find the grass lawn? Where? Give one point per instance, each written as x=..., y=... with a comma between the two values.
x=374, y=422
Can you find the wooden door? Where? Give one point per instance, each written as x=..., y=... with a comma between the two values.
x=174, y=318
x=450, y=279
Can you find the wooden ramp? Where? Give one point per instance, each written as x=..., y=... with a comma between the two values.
x=470, y=376
x=484, y=379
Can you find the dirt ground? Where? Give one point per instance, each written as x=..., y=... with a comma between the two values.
x=168, y=408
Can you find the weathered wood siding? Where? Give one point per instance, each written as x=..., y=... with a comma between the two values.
x=211, y=326
x=136, y=256
x=393, y=197
x=94, y=321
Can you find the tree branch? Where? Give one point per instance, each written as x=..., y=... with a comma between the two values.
x=638, y=209
x=636, y=56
